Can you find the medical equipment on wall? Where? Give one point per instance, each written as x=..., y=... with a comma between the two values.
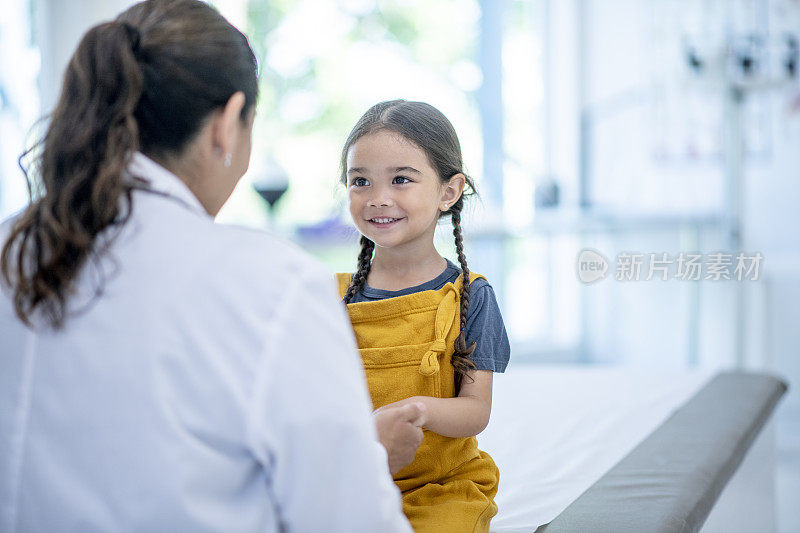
x=743, y=58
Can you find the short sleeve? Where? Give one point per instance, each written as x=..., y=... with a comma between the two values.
x=486, y=329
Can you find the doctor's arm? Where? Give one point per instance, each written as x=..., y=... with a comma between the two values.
x=314, y=429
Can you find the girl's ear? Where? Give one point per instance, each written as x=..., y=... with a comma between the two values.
x=451, y=191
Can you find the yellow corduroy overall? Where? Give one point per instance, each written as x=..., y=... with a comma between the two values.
x=406, y=344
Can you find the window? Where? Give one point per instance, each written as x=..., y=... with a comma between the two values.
x=323, y=63
x=19, y=99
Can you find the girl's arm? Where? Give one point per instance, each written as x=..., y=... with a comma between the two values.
x=463, y=416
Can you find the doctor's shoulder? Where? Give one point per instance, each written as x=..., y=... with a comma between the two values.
x=5, y=228
x=251, y=251
x=7, y=224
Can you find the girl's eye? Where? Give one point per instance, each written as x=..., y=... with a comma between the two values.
x=360, y=182
x=400, y=180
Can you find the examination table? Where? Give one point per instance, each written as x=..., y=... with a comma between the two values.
x=586, y=449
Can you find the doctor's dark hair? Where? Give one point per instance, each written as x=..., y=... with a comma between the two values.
x=146, y=81
x=427, y=128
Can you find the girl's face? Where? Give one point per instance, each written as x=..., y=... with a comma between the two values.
x=395, y=194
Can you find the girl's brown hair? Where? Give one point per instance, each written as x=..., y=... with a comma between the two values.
x=145, y=81
x=429, y=129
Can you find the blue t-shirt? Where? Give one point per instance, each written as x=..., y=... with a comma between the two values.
x=484, y=322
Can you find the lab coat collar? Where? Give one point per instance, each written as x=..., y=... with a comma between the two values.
x=162, y=181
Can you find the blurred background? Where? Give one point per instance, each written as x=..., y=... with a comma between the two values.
x=633, y=127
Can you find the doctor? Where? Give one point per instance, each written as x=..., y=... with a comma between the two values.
x=159, y=372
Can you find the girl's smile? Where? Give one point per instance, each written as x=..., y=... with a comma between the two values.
x=385, y=223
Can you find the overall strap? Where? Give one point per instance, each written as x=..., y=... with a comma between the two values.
x=445, y=319
x=472, y=277
x=343, y=281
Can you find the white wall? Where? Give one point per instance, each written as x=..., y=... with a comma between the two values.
x=647, y=323
x=59, y=27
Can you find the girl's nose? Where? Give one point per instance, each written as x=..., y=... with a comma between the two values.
x=381, y=200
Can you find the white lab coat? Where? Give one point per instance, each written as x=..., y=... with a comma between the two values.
x=213, y=386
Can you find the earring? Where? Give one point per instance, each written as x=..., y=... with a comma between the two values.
x=227, y=161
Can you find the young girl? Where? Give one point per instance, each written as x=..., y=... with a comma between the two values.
x=427, y=331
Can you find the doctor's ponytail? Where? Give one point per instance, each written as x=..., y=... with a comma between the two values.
x=82, y=155
x=145, y=81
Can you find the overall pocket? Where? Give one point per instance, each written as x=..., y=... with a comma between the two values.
x=393, y=374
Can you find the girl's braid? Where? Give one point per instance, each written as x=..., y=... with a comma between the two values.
x=364, y=264
x=461, y=356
